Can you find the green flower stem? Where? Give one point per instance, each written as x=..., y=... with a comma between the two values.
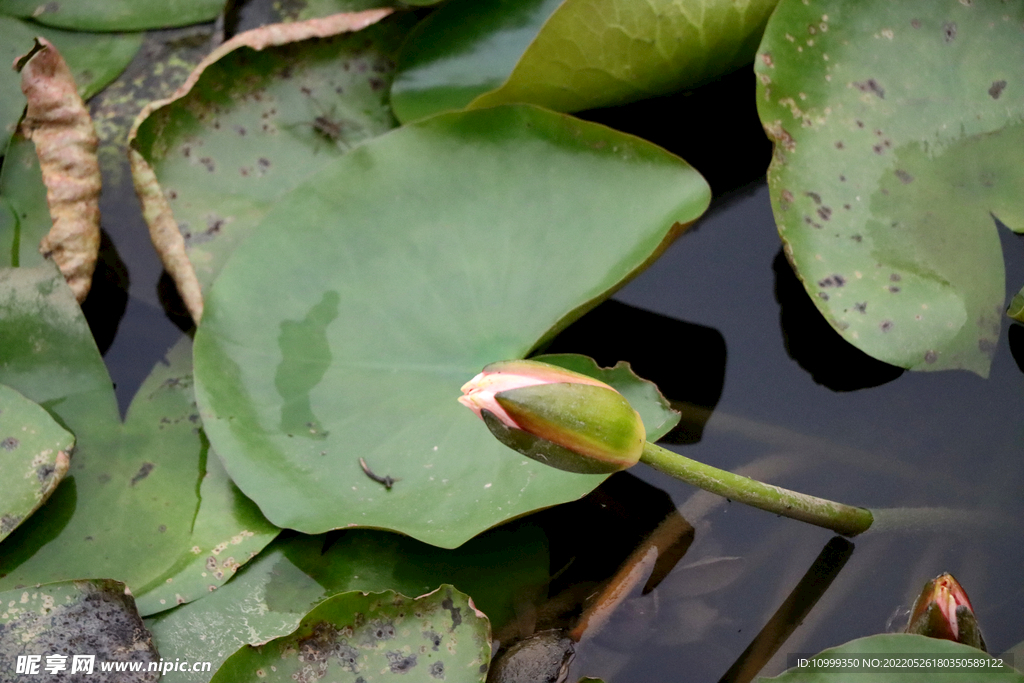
x=843, y=519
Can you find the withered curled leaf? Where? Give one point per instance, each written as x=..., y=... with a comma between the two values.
x=59, y=125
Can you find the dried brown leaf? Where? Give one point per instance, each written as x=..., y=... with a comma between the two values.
x=163, y=228
x=58, y=123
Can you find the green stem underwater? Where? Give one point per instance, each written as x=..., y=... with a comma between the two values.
x=840, y=518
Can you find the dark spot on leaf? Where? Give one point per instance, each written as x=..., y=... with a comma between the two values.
x=103, y=478
x=949, y=31
x=143, y=472
x=434, y=638
x=787, y=199
x=306, y=91
x=814, y=196
x=44, y=472
x=376, y=84
x=861, y=307
x=347, y=656
x=162, y=528
x=878, y=149
x=987, y=346
x=241, y=130
x=895, y=277
x=244, y=171
x=997, y=89
x=839, y=144
x=823, y=296
x=825, y=212
x=860, y=124
x=832, y=281
x=894, y=289
x=456, y=612
x=263, y=162
x=915, y=23
x=842, y=179
x=437, y=670
x=171, y=194
x=9, y=444
x=872, y=86
x=885, y=326
x=904, y=177
x=399, y=663
x=8, y=522
x=208, y=163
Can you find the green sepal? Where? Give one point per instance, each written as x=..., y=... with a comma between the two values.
x=544, y=451
x=592, y=422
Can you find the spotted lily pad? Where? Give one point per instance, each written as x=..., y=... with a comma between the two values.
x=374, y=637
x=266, y=110
x=34, y=456
x=181, y=527
x=269, y=596
x=71, y=630
x=345, y=326
x=897, y=128
x=569, y=55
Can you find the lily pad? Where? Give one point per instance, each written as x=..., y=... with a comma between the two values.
x=896, y=130
x=23, y=191
x=72, y=628
x=256, y=118
x=114, y=15
x=181, y=524
x=344, y=327
x=905, y=647
x=95, y=60
x=269, y=596
x=34, y=456
x=570, y=55
x=374, y=637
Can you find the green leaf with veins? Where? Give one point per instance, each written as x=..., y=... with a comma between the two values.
x=181, y=526
x=897, y=128
x=570, y=55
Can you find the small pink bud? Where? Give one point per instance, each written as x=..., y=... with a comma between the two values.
x=557, y=416
x=943, y=610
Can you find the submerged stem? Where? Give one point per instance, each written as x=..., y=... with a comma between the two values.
x=843, y=519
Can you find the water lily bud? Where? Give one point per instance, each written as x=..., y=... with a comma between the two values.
x=944, y=611
x=559, y=417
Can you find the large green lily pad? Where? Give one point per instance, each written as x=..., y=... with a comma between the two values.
x=114, y=15
x=76, y=627
x=256, y=118
x=903, y=648
x=897, y=130
x=181, y=527
x=269, y=596
x=374, y=637
x=34, y=456
x=344, y=327
x=569, y=55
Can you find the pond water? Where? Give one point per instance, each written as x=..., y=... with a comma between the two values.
x=722, y=325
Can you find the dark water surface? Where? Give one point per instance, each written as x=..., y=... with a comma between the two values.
x=721, y=322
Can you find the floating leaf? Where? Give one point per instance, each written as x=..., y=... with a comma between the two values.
x=269, y=596
x=59, y=126
x=23, y=191
x=905, y=647
x=72, y=620
x=569, y=55
x=34, y=457
x=381, y=285
x=654, y=409
x=95, y=60
x=114, y=15
x=180, y=523
x=256, y=117
x=375, y=637
x=897, y=128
